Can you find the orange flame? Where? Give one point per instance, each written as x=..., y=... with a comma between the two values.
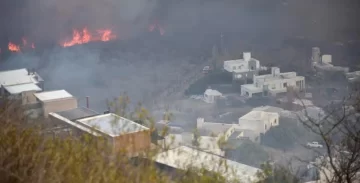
x=13, y=47
x=156, y=26
x=152, y=27
x=106, y=35
x=162, y=31
x=17, y=48
x=84, y=36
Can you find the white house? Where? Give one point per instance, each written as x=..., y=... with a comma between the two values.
x=259, y=121
x=20, y=84
x=323, y=64
x=184, y=157
x=55, y=101
x=254, y=123
x=273, y=83
x=244, y=68
x=210, y=96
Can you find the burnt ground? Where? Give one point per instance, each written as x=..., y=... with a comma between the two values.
x=145, y=68
x=147, y=65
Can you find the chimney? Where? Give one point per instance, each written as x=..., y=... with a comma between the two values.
x=247, y=56
x=316, y=55
x=200, y=122
x=275, y=71
x=87, y=101
x=326, y=59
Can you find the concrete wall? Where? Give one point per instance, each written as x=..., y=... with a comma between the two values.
x=238, y=65
x=133, y=142
x=28, y=97
x=245, y=75
x=59, y=105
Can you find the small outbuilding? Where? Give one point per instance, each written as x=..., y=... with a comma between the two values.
x=210, y=96
x=55, y=101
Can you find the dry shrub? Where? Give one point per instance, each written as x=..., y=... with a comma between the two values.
x=27, y=155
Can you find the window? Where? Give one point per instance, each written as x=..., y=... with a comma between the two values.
x=275, y=121
x=234, y=67
x=265, y=127
x=285, y=85
x=252, y=68
x=273, y=86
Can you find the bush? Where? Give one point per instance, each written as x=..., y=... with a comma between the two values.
x=28, y=155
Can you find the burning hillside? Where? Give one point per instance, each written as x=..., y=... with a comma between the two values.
x=80, y=36
x=18, y=47
x=156, y=27
x=85, y=36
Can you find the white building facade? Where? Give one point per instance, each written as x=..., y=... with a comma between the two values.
x=245, y=68
x=251, y=125
x=210, y=96
x=273, y=84
x=20, y=84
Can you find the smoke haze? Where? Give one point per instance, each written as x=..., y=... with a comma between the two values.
x=192, y=28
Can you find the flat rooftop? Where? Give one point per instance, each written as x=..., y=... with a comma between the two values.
x=16, y=89
x=15, y=77
x=268, y=109
x=182, y=157
x=258, y=115
x=284, y=75
x=53, y=95
x=251, y=87
x=74, y=124
x=112, y=124
x=77, y=113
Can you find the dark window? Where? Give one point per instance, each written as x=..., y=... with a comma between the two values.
x=285, y=85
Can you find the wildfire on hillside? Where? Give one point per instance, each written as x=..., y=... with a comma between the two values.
x=13, y=47
x=18, y=47
x=156, y=26
x=85, y=36
x=81, y=36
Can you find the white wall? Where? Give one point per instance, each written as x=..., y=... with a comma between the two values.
x=236, y=65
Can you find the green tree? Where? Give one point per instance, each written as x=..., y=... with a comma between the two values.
x=215, y=56
x=196, y=138
x=28, y=155
x=275, y=174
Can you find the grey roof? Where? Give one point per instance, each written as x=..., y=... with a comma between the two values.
x=234, y=135
x=16, y=89
x=79, y=126
x=268, y=109
x=53, y=95
x=77, y=113
x=183, y=157
x=247, y=133
x=18, y=76
x=112, y=124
